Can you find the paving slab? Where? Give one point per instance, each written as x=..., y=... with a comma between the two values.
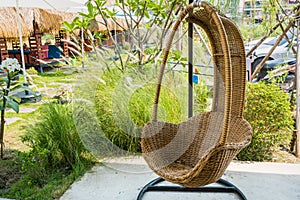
x=123, y=178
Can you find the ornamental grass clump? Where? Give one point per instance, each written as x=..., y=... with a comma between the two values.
x=54, y=142
x=54, y=139
x=124, y=103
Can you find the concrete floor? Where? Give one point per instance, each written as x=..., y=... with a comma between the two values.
x=122, y=179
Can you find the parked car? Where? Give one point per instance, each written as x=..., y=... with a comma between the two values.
x=283, y=50
x=251, y=44
x=281, y=71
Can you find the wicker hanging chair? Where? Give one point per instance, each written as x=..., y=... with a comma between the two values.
x=196, y=152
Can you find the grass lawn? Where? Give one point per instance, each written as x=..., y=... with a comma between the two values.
x=14, y=183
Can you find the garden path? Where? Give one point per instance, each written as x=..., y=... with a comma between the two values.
x=122, y=179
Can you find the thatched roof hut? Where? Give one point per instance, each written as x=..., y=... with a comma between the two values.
x=45, y=21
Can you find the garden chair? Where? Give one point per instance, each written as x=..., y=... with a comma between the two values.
x=197, y=152
x=3, y=50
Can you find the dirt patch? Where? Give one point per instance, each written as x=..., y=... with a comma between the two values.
x=10, y=171
x=284, y=156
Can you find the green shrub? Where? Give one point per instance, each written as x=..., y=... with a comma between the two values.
x=267, y=109
x=54, y=142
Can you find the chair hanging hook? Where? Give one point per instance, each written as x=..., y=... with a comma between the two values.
x=197, y=3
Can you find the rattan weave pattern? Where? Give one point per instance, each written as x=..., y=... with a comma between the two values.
x=197, y=152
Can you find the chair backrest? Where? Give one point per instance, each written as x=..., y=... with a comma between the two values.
x=237, y=57
x=210, y=21
x=15, y=45
x=238, y=65
x=3, y=49
x=35, y=44
x=60, y=40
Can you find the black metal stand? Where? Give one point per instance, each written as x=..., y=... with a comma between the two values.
x=225, y=187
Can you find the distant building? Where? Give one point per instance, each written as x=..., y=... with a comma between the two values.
x=252, y=10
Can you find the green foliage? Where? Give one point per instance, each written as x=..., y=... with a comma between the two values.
x=147, y=22
x=58, y=72
x=31, y=71
x=35, y=165
x=11, y=68
x=8, y=85
x=35, y=180
x=124, y=103
x=54, y=142
x=252, y=31
x=104, y=108
x=103, y=103
x=140, y=105
x=201, y=96
x=268, y=111
x=54, y=183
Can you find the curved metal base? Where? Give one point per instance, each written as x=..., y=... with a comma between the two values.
x=225, y=187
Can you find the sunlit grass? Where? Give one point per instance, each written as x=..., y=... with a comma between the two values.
x=57, y=181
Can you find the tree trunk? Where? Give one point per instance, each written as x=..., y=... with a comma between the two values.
x=2, y=122
x=258, y=68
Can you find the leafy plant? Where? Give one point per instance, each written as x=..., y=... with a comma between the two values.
x=265, y=103
x=144, y=25
x=10, y=67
